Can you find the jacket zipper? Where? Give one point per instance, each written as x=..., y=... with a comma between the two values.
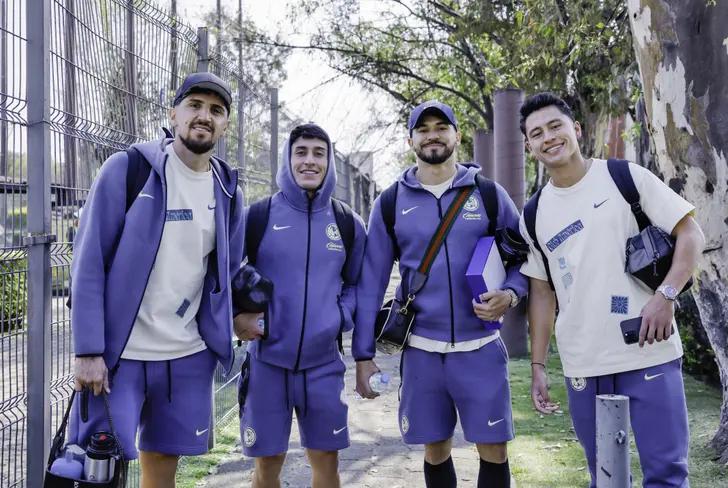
x=149, y=274
x=449, y=280
x=305, y=287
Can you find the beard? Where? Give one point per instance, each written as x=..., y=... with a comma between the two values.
x=435, y=157
x=197, y=147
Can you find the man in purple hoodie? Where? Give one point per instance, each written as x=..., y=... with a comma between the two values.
x=298, y=366
x=453, y=365
x=152, y=311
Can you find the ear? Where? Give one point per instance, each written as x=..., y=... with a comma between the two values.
x=458, y=138
x=528, y=147
x=409, y=141
x=577, y=129
x=172, y=113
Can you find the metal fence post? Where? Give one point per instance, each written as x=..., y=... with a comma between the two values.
x=273, y=138
x=203, y=57
x=241, y=94
x=3, y=90
x=131, y=71
x=38, y=22
x=612, y=413
x=173, y=49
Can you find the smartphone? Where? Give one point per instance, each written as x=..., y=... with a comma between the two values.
x=631, y=330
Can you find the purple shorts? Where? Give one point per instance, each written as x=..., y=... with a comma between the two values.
x=268, y=395
x=437, y=388
x=168, y=402
x=658, y=415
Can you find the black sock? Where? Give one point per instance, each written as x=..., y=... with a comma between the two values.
x=493, y=475
x=440, y=475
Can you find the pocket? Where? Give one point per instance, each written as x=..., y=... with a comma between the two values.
x=502, y=347
x=243, y=383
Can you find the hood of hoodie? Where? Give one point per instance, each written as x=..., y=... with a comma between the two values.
x=155, y=151
x=464, y=176
x=297, y=196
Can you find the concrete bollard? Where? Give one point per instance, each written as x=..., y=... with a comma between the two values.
x=612, y=413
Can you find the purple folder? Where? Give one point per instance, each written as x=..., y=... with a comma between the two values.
x=485, y=271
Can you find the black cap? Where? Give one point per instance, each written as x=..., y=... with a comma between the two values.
x=204, y=81
x=429, y=107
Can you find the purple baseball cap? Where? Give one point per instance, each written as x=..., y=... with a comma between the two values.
x=204, y=81
x=431, y=106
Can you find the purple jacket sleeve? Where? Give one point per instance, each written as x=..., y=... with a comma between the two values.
x=237, y=236
x=508, y=217
x=101, y=223
x=375, y=273
x=348, y=291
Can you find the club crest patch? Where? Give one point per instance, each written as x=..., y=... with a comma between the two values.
x=249, y=437
x=578, y=384
x=404, y=424
x=472, y=204
x=332, y=232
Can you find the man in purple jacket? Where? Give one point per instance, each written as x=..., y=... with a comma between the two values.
x=152, y=311
x=453, y=366
x=299, y=366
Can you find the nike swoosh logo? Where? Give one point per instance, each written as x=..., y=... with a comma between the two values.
x=597, y=205
x=145, y=195
x=275, y=227
x=405, y=212
x=652, y=377
x=491, y=424
x=338, y=431
x=200, y=432
x=211, y=207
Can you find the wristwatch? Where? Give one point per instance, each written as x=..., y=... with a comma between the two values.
x=514, y=297
x=668, y=291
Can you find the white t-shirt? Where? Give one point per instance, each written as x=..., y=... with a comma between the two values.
x=166, y=327
x=583, y=230
x=432, y=345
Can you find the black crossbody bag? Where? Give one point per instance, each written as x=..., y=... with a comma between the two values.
x=120, y=462
x=394, y=321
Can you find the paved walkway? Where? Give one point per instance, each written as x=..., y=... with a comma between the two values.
x=377, y=457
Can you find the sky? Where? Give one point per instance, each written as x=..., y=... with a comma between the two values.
x=341, y=106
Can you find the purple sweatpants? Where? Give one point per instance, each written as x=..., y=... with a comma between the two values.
x=658, y=415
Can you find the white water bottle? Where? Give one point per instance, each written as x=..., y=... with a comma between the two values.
x=380, y=382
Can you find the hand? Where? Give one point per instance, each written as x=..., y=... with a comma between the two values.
x=364, y=371
x=657, y=317
x=494, y=305
x=540, y=390
x=91, y=372
x=246, y=326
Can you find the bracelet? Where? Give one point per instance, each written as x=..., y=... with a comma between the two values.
x=540, y=364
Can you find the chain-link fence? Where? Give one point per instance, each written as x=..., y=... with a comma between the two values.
x=108, y=69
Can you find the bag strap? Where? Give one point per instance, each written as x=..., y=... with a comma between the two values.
x=388, y=206
x=111, y=425
x=489, y=194
x=620, y=173
x=137, y=174
x=345, y=222
x=529, y=216
x=255, y=226
x=443, y=229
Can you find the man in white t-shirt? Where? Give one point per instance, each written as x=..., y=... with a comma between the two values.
x=582, y=225
x=159, y=238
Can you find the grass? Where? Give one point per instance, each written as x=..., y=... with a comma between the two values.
x=545, y=452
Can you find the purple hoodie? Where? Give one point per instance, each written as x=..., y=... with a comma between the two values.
x=303, y=254
x=114, y=253
x=444, y=306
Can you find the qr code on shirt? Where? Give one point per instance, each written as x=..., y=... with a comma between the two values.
x=620, y=305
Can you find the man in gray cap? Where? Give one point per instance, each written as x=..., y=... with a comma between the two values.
x=159, y=239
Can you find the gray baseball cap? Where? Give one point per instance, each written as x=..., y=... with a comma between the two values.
x=204, y=81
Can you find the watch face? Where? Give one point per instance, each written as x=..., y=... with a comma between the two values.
x=671, y=291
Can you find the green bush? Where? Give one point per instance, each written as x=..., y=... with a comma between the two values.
x=13, y=291
x=699, y=358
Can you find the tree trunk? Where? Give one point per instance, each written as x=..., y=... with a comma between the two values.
x=682, y=51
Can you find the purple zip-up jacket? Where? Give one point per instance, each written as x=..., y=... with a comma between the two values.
x=114, y=253
x=303, y=254
x=444, y=306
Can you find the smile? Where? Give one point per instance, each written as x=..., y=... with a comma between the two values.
x=553, y=149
